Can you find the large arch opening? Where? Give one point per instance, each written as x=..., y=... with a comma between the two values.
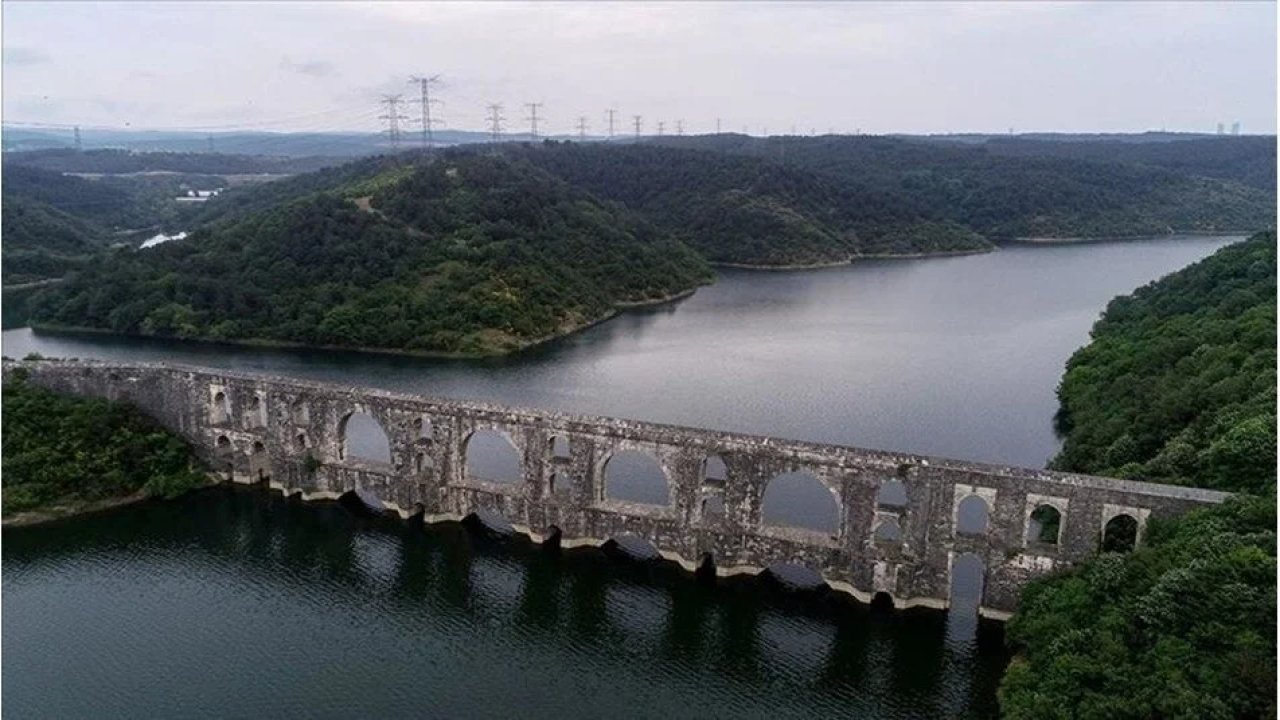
x=492, y=457
x=632, y=547
x=972, y=516
x=361, y=437
x=635, y=476
x=558, y=446
x=423, y=429
x=1120, y=534
x=800, y=500
x=795, y=576
x=714, y=471
x=1045, y=525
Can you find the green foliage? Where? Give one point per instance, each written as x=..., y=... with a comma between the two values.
x=1002, y=194
x=1184, y=627
x=744, y=210
x=1179, y=382
x=129, y=161
x=60, y=450
x=467, y=254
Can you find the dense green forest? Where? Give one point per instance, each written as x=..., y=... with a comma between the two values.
x=65, y=452
x=1004, y=196
x=1178, y=384
x=191, y=163
x=1248, y=160
x=471, y=254
x=42, y=242
x=746, y=211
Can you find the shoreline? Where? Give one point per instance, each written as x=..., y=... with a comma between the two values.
x=853, y=259
x=1084, y=240
x=62, y=512
x=619, y=307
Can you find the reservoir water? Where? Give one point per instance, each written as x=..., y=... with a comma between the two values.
x=237, y=603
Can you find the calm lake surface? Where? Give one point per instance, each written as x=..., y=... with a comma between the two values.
x=236, y=603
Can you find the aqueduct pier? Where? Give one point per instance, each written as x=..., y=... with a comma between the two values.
x=906, y=543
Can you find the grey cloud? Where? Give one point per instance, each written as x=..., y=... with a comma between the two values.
x=311, y=68
x=16, y=56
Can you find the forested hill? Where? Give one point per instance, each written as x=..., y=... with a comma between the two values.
x=469, y=254
x=1178, y=385
x=1179, y=381
x=127, y=161
x=1006, y=195
x=745, y=211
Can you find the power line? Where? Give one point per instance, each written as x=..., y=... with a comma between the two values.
x=610, y=112
x=393, y=118
x=582, y=127
x=495, y=121
x=425, y=83
x=533, y=118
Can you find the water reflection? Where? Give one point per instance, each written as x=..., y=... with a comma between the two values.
x=445, y=616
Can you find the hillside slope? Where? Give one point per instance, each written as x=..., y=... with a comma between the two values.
x=1005, y=196
x=469, y=254
x=1178, y=383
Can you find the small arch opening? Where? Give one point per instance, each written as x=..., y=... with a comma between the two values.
x=422, y=463
x=300, y=441
x=892, y=494
x=299, y=413
x=558, y=446
x=490, y=522
x=631, y=547
x=972, y=516
x=224, y=442
x=362, y=438
x=259, y=460
x=258, y=410
x=882, y=602
x=706, y=571
x=423, y=429
x=561, y=484
x=634, y=476
x=221, y=410
x=714, y=471
x=554, y=538
x=800, y=500
x=1120, y=534
x=888, y=532
x=1045, y=525
x=713, y=506
x=492, y=457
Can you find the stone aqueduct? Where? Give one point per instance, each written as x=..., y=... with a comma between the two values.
x=289, y=433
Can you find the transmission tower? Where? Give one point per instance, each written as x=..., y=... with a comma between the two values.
x=679, y=127
x=661, y=125
x=393, y=118
x=533, y=118
x=637, y=119
x=610, y=113
x=582, y=127
x=495, y=121
x=80, y=144
x=424, y=83
x=717, y=126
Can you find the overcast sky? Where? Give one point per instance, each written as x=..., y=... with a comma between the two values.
x=911, y=67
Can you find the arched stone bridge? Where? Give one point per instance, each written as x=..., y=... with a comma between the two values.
x=291, y=433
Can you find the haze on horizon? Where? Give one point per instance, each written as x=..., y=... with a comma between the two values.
x=874, y=67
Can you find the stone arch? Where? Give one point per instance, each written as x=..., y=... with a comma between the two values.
x=560, y=484
x=220, y=408
x=1044, y=525
x=300, y=412
x=259, y=463
x=223, y=442
x=558, y=447
x=968, y=582
x=973, y=515
x=706, y=569
x=1120, y=534
x=714, y=471
x=800, y=500
x=636, y=476
x=492, y=456
x=712, y=506
x=362, y=437
x=300, y=441
x=795, y=575
x=423, y=429
x=423, y=463
x=257, y=410
x=888, y=532
x=892, y=494
x=632, y=546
